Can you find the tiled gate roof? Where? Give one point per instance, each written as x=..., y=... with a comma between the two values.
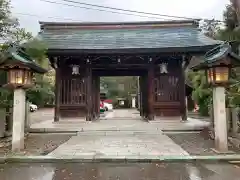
x=142, y=35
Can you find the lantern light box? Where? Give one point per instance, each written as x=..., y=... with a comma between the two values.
x=217, y=65
x=20, y=68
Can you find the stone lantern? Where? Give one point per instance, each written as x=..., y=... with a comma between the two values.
x=19, y=68
x=217, y=65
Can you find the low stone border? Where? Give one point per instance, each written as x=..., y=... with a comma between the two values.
x=50, y=130
x=120, y=159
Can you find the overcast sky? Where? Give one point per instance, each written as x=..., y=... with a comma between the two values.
x=42, y=11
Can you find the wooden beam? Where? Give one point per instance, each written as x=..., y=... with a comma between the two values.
x=117, y=72
x=165, y=50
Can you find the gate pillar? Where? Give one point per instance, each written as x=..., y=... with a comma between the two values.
x=89, y=99
x=150, y=79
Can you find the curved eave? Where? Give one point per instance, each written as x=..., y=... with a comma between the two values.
x=33, y=66
x=189, y=49
x=213, y=56
x=37, y=69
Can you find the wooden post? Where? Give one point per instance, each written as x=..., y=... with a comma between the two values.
x=141, y=96
x=144, y=95
x=93, y=97
x=57, y=94
x=183, y=93
x=150, y=93
x=98, y=96
x=138, y=94
x=89, y=94
x=95, y=92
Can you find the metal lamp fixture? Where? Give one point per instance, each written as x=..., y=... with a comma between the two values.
x=19, y=77
x=218, y=75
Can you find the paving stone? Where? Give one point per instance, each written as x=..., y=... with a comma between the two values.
x=120, y=146
x=121, y=133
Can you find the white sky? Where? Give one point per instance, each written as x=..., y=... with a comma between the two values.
x=208, y=9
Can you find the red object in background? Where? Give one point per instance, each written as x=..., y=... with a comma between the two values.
x=101, y=104
x=108, y=101
x=196, y=108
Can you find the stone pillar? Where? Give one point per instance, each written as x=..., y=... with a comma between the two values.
x=18, y=119
x=133, y=102
x=220, y=120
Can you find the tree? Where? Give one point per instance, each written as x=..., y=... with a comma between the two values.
x=19, y=35
x=37, y=50
x=7, y=22
x=201, y=93
x=114, y=84
x=210, y=28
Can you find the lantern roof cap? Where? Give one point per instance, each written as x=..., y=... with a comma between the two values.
x=218, y=54
x=16, y=54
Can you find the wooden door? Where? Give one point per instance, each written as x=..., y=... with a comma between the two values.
x=166, y=95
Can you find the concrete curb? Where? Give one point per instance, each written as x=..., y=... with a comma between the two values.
x=116, y=159
x=44, y=130
x=47, y=130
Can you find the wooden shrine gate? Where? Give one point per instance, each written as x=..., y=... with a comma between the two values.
x=162, y=84
x=157, y=52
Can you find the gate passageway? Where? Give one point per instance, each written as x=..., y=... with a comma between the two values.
x=121, y=114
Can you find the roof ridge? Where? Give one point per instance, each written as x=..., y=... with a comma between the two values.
x=120, y=23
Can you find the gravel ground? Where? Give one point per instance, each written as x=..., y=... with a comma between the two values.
x=39, y=144
x=196, y=143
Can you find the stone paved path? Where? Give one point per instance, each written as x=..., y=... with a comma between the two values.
x=122, y=114
x=120, y=135
x=119, y=145
x=116, y=120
